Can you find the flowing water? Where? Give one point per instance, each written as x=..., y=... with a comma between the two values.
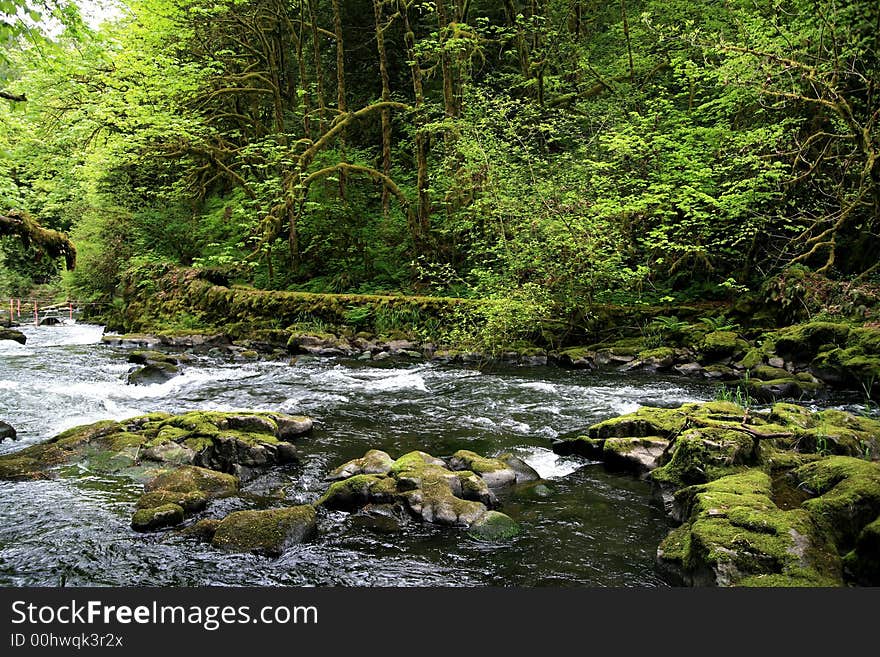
x=581, y=527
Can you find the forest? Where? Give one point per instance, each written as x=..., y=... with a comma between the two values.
x=553, y=153
x=428, y=286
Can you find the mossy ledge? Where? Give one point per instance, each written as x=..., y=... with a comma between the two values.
x=722, y=471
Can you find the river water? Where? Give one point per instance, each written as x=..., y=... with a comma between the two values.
x=582, y=527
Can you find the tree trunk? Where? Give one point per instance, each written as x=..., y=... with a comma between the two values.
x=386, y=96
x=424, y=210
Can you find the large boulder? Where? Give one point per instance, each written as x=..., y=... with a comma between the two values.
x=268, y=532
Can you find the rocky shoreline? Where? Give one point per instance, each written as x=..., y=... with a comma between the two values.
x=797, y=362
x=785, y=497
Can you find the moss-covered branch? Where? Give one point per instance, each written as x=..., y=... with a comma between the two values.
x=46, y=240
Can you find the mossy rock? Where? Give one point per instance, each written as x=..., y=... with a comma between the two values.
x=435, y=502
x=720, y=372
x=646, y=421
x=268, y=532
x=703, y=454
x=722, y=344
x=847, y=496
x=424, y=486
x=202, y=530
x=494, y=526
x=357, y=491
x=190, y=502
x=784, y=388
x=734, y=535
x=862, y=564
x=413, y=461
x=373, y=462
x=144, y=357
x=753, y=358
x=802, y=341
x=494, y=472
x=767, y=373
x=637, y=455
x=577, y=357
x=157, y=517
x=193, y=479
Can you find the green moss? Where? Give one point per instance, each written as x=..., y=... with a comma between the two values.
x=358, y=490
x=574, y=354
x=494, y=526
x=753, y=358
x=660, y=353
x=867, y=338
x=476, y=463
x=189, y=478
x=722, y=344
x=167, y=515
x=267, y=532
x=847, y=494
x=801, y=342
x=413, y=461
x=736, y=535
x=767, y=373
x=190, y=502
x=646, y=421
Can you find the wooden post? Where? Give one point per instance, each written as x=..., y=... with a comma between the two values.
x=36, y=314
x=19, y=308
x=70, y=308
x=11, y=311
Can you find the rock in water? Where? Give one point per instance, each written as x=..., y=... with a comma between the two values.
x=167, y=515
x=7, y=431
x=12, y=334
x=267, y=532
x=422, y=486
x=494, y=526
x=157, y=372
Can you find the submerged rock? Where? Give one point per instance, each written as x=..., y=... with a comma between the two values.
x=267, y=532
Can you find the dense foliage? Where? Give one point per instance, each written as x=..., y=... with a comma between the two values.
x=550, y=151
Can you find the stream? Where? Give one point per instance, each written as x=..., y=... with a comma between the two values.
x=582, y=527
